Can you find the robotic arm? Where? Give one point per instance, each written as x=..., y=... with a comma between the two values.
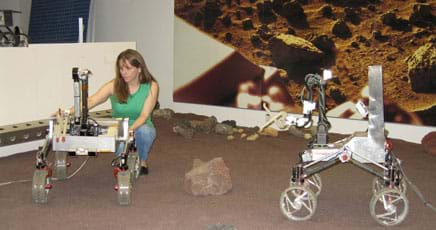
x=284, y=120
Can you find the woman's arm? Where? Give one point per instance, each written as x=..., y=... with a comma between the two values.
x=149, y=104
x=100, y=96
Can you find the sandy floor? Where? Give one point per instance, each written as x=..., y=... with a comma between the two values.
x=260, y=172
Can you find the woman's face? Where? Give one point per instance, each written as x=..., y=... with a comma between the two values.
x=128, y=72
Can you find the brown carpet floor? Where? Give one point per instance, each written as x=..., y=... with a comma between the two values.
x=260, y=172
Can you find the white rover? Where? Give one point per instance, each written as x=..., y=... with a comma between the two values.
x=368, y=150
x=81, y=135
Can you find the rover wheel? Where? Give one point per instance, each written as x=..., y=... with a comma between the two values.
x=378, y=184
x=298, y=203
x=61, y=167
x=40, y=186
x=389, y=206
x=134, y=165
x=124, y=188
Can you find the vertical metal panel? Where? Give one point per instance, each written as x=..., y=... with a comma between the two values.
x=376, y=125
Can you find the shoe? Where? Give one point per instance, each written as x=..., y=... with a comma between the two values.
x=144, y=171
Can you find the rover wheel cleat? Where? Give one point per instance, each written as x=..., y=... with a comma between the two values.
x=124, y=188
x=41, y=186
x=134, y=166
x=61, y=165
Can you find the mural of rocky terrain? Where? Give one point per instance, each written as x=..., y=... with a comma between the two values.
x=346, y=36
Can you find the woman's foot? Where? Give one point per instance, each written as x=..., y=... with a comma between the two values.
x=144, y=170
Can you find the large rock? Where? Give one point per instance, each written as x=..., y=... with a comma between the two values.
x=341, y=29
x=422, y=69
x=210, y=178
x=207, y=125
x=422, y=15
x=429, y=143
x=166, y=114
x=288, y=49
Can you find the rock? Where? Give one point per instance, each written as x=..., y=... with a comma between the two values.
x=230, y=137
x=227, y=21
x=352, y=15
x=376, y=34
x=247, y=24
x=268, y=131
x=228, y=36
x=264, y=32
x=324, y=43
x=253, y=137
x=390, y=19
x=230, y=122
x=265, y=8
x=197, y=162
x=224, y=129
x=255, y=40
x=337, y=94
x=326, y=11
x=207, y=125
x=187, y=133
x=183, y=123
x=422, y=15
x=307, y=136
x=306, y=133
x=340, y=29
x=278, y=5
x=238, y=14
x=354, y=44
x=288, y=49
x=211, y=12
x=296, y=131
x=422, y=69
x=166, y=114
x=429, y=143
x=221, y=227
x=210, y=178
x=372, y=8
x=293, y=10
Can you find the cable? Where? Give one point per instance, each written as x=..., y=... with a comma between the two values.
x=312, y=80
x=415, y=189
x=53, y=178
x=13, y=182
x=77, y=170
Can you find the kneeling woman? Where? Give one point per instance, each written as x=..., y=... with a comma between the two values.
x=133, y=94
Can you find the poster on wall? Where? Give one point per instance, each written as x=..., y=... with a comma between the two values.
x=246, y=53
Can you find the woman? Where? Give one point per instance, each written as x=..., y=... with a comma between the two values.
x=133, y=94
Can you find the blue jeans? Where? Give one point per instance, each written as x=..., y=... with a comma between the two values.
x=144, y=138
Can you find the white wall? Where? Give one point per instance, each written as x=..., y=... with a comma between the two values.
x=36, y=80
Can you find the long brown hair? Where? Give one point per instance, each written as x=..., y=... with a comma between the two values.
x=135, y=59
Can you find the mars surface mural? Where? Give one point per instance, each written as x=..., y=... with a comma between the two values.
x=244, y=53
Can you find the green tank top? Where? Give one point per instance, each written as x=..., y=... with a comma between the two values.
x=132, y=109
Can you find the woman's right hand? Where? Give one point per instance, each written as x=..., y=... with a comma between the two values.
x=60, y=111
